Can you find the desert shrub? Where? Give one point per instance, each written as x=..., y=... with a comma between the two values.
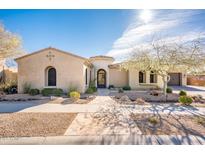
x=200, y=120
x=34, y=92
x=153, y=120
x=182, y=93
x=140, y=101
x=185, y=100
x=197, y=98
x=92, y=85
x=169, y=90
x=94, y=89
x=111, y=87
x=52, y=92
x=74, y=95
x=26, y=87
x=9, y=87
x=126, y=88
x=154, y=93
x=89, y=90
x=120, y=90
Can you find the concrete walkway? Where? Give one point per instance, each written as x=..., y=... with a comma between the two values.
x=108, y=119
x=107, y=140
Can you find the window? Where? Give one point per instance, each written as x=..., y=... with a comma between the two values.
x=86, y=76
x=142, y=77
x=153, y=77
x=51, y=76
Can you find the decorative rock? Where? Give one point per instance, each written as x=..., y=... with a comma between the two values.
x=124, y=99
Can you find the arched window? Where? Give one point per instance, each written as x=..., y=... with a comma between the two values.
x=153, y=77
x=51, y=76
x=142, y=77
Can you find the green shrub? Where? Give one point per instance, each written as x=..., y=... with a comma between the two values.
x=169, y=90
x=111, y=86
x=120, y=90
x=74, y=95
x=26, y=87
x=182, y=93
x=52, y=92
x=94, y=89
x=126, y=88
x=34, y=92
x=89, y=90
x=153, y=120
x=185, y=100
x=92, y=85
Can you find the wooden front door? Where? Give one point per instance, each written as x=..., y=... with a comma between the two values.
x=101, y=78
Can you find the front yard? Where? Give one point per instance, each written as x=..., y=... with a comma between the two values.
x=35, y=124
x=150, y=124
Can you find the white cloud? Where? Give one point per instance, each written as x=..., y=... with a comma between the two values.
x=163, y=23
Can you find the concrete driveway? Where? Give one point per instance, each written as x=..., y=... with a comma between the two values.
x=191, y=90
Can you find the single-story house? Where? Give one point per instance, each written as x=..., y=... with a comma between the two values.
x=51, y=67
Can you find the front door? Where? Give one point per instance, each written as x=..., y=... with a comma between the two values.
x=101, y=78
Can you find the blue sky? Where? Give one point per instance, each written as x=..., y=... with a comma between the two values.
x=83, y=32
x=96, y=32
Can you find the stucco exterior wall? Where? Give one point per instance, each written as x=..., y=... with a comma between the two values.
x=134, y=80
x=101, y=64
x=69, y=70
x=118, y=78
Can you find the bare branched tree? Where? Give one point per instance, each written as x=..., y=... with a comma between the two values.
x=163, y=57
x=10, y=44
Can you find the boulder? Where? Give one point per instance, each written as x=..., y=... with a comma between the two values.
x=124, y=99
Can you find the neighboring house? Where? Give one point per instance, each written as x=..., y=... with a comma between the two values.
x=52, y=67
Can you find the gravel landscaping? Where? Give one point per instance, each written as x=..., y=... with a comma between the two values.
x=145, y=98
x=145, y=95
x=34, y=124
x=150, y=124
x=60, y=100
x=21, y=97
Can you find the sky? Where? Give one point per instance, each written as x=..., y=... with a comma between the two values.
x=101, y=32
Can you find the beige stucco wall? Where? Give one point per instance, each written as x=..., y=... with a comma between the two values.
x=69, y=70
x=118, y=78
x=102, y=64
x=133, y=77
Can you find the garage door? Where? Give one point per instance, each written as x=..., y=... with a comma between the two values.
x=175, y=79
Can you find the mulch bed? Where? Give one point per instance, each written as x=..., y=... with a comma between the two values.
x=34, y=124
x=169, y=124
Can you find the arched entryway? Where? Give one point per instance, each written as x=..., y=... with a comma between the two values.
x=51, y=76
x=101, y=78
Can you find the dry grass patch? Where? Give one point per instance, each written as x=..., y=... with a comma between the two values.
x=34, y=124
x=150, y=124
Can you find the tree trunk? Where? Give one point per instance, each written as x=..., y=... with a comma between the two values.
x=165, y=87
x=165, y=79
